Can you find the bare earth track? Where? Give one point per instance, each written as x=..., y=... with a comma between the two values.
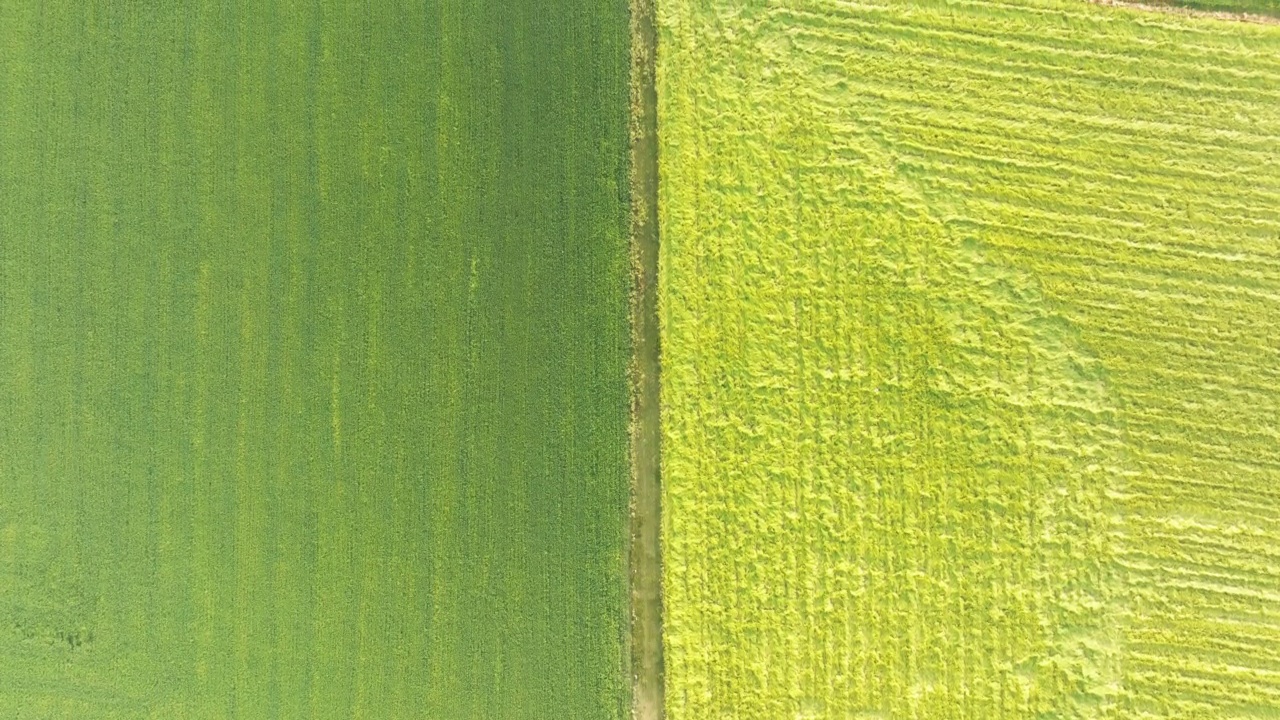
x=644, y=549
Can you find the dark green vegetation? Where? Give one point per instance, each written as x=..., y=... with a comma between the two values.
x=313, y=347
x=1255, y=7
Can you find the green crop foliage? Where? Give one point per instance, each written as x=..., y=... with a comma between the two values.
x=313, y=349
x=971, y=360
x=1252, y=7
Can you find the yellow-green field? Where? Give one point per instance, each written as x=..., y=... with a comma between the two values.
x=313, y=354
x=971, y=361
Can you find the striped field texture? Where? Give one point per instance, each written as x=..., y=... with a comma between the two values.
x=971, y=361
x=313, y=354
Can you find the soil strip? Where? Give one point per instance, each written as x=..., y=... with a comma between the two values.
x=644, y=548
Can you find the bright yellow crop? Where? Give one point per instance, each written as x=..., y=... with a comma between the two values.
x=971, y=344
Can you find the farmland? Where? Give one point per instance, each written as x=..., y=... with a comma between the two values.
x=1259, y=8
x=971, y=334
x=313, y=355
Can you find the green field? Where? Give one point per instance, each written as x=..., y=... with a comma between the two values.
x=971, y=360
x=313, y=351
x=1249, y=7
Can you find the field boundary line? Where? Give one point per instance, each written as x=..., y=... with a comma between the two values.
x=644, y=550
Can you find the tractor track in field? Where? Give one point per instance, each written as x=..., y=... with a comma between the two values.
x=644, y=546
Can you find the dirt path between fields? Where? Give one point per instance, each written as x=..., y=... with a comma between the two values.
x=644, y=549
